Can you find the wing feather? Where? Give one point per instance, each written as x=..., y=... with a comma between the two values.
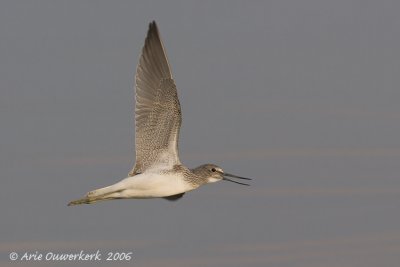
x=157, y=113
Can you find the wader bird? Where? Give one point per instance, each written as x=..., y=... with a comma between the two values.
x=158, y=172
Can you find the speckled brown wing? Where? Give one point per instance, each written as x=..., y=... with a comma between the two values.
x=157, y=113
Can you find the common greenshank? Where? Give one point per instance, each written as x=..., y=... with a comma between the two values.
x=158, y=172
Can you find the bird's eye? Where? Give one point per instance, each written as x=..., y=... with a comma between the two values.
x=213, y=170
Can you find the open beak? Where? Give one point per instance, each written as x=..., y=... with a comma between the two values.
x=234, y=176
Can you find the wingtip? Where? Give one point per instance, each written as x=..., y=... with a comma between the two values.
x=152, y=25
x=152, y=32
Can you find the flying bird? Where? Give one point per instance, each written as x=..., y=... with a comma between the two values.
x=158, y=172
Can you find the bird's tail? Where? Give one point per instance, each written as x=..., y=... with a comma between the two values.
x=85, y=200
x=105, y=193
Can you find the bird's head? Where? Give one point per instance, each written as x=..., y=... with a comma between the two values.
x=213, y=173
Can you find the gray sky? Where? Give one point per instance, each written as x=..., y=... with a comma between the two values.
x=301, y=95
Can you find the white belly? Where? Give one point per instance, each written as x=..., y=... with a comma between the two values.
x=149, y=185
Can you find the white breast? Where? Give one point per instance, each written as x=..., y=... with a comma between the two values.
x=148, y=185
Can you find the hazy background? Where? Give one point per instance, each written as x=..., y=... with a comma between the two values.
x=303, y=96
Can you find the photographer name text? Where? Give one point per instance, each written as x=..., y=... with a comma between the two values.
x=74, y=256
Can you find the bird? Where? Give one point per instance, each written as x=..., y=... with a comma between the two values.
x=158, y=171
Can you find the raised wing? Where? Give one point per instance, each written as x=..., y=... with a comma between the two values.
x=157, y=113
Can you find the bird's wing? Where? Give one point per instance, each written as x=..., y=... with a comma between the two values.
x=157, y=113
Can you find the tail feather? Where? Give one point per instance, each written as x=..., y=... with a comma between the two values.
x=85, y=200
x=94, y=196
